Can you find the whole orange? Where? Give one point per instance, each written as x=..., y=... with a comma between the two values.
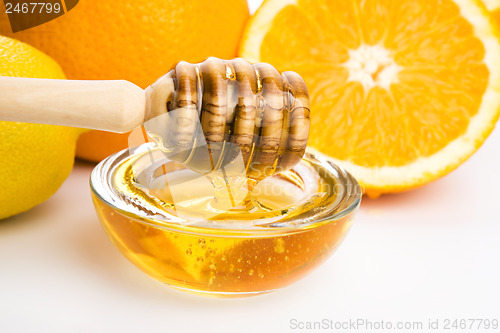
x=138, y=41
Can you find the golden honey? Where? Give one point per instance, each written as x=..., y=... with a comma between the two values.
x=163, y=218
x=221, y=262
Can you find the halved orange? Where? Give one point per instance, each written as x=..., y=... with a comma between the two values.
x=402, y=92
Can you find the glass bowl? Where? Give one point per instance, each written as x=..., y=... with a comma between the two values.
x=302, y=216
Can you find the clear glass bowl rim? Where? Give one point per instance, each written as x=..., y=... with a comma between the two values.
x=351, y=200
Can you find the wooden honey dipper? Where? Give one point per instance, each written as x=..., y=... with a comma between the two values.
x=263, y=113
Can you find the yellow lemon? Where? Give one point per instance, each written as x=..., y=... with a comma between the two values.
x=34, y=159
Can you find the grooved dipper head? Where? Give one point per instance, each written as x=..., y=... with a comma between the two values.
x=209, y=114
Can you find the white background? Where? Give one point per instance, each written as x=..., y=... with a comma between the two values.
x=430, y=253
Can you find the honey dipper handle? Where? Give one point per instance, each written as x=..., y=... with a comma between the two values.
x=115, y=106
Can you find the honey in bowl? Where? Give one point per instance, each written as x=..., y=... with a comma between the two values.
x=220, y=208
x=223, y=254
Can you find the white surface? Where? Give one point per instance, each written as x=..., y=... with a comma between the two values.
x=430, y=253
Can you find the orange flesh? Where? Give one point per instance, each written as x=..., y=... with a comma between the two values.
x=438, y=87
